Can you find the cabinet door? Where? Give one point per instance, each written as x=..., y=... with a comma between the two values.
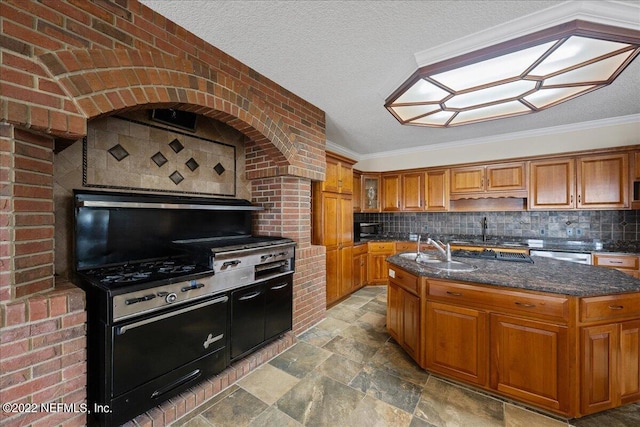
x=629, y=361
x=636, y=162
x=346, y=271
x=530, y=361
x=394, y=306
x=333, y=275
x=247, y=319
x=391, y=192
x=506, y=177
x=552, y=184
x=377, y=268
x=370, y=193
x=411, y=324
x=279, y=307
x=332, y=234
x=599, y=368
x=467, y=180
x=345, y=181
x=437, y=190
x=357, y=192
x=359, y=271
x=457, y=342
x=413, y=191
x=346, y=220
x=603, y=181
x=332, y=176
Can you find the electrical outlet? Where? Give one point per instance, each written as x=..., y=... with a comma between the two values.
x=569, y=231
x=425, y=228
x=542, y=231
x=578, y=231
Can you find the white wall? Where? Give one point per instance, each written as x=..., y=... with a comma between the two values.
x=585, y=136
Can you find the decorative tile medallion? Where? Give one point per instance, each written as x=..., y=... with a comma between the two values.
x=159, y=159
x=176, y=145
x=192, y=164
x=219, y=169
x=176, y=177
x=118, y=152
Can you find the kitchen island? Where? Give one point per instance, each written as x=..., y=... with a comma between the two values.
x=559, y=336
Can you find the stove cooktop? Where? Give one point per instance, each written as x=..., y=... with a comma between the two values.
x=217, y=245
x=142, y=272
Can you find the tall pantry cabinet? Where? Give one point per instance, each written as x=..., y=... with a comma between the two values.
x=332, y=218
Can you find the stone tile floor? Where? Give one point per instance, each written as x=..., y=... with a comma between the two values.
x=347, y=371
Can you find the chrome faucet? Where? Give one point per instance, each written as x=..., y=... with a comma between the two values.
x=418, y=253
x=445, y=250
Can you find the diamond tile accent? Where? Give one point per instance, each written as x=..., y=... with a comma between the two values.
x=176, y=177
x=118, y=152
x=192, y=164
x=176, y=145
x=219, y=169
x=159, y=159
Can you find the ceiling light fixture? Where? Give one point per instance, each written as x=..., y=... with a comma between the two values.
x=519, y=76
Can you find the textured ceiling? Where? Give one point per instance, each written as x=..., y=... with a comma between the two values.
x=346, y=57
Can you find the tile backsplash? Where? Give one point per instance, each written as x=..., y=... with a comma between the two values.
x=579, y=225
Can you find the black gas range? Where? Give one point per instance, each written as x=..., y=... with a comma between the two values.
x=161, y=274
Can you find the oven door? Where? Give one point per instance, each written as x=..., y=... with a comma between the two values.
x=148, y=348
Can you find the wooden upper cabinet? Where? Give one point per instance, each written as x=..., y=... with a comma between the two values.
x=603, y=181
x=391, y=190
x=467, y=180
x=636, y=162
x=508, y=179
x=552, y=184
x=437, y=190
x=370, y=193
x=357, y=191
x=413, y=191
x=339, y=175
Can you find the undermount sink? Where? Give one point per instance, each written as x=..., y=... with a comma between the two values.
x=451, y=266
x=422, y=257
x=431, y=261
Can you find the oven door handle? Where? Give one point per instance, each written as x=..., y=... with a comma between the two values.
x=122, y=329
x=249, y=296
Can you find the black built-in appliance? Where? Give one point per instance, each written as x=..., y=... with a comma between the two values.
x=363, y=231
x=160, y=274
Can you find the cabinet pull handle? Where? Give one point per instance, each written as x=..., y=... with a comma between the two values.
x=524, y=304
x=571, y=199
x=616, y=262
x=579, y=198
x=455, y=294
x=616, y=307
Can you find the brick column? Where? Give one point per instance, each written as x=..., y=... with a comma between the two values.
x=287, y=202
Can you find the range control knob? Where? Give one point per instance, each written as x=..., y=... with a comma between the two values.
x=171, y=297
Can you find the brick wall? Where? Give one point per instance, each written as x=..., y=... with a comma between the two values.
x=65, y=62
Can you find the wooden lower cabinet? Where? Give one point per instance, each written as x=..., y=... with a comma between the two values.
x=339, y=273
x=403, y=318
x=567, y=355
x=610, y=373
x=456, y=342
x=377, y=270
x=530, y=361
x=360, y=265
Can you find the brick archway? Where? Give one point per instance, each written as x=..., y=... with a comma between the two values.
x=99, y=82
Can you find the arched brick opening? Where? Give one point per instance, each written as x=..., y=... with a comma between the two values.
x=67, y=63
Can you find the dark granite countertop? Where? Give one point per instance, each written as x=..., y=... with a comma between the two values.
x=544, y=275
x=549, y=244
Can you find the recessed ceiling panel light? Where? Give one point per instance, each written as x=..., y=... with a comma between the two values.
x=520, y=76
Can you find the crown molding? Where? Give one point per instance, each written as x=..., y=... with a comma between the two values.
x=614, y=121
x=612, y=13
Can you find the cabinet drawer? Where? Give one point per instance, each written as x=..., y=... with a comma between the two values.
x=405, y=280
x=540, y=306
x=359, y=250
x=609, y=307
x=630, y=262
x=382, y=247
x=406, y=246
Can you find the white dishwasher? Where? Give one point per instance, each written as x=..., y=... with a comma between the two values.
x=577, y=257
